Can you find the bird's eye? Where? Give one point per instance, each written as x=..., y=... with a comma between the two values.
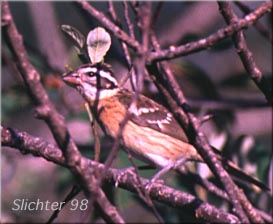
x=88, y=71
x=91, y=74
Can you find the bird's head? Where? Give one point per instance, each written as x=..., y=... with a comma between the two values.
x=93, y=81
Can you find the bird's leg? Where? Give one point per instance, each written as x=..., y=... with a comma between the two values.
x=122, y=172
x=171, y=165
x=131, y=170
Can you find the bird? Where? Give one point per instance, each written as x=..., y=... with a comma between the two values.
x=151, y=133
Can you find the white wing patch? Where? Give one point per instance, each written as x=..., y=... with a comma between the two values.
x=153, y=115
x=167, y=120
x=146, y=110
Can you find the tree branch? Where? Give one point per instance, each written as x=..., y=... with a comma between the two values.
x=212, y=39
x=190, y=123
x=259, y=26
x=27, y=143
x=245, y=54
x=31, y=77
x=46, y=111
x=119, y=33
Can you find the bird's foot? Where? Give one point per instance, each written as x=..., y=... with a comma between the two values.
x=151, y=184
x=124, y=171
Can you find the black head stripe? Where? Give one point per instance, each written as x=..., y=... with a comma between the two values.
x=104, y=67
x=103, y=73
x=106, y=83
x=107, y=79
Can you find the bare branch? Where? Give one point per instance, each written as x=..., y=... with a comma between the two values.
x=245, y=54
x=197, y=138
x=212, y=39
x=38, y=147
x=119, y=33
x=47, y=111
x=257, y=25
x=255, y=73
x=128, y=20
x=26, y=143
x=36, y=90
x=67, y=154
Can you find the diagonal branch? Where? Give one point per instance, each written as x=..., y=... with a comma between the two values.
x=212, y=39
x=56, y=123
x=27, y=143
x=116, y=30
x=31, y=77
x=255, y=73
x=259, y=26
x=191, y=123
x=245, y=54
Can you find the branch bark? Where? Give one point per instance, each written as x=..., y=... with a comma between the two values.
x=245, y=54
x=212, y=39
x=189, y=122
x=28, y=144
x=46, y=111
x=179, y=104
x=259, y=26
x=83, y=168
x=119, y=33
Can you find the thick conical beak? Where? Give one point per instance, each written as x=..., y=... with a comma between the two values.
x=72, y=78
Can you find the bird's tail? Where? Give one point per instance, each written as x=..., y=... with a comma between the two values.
x=238, y=174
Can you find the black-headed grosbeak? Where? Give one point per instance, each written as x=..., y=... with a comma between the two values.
x=151, y=134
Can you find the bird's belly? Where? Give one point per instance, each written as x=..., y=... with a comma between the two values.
x=150, y=145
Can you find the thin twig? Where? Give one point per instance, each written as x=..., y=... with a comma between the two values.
x=123, y=44
x=144, y=22
x=74, y=191
x=262, y=30
x=115, y=147
x=156, y=14
x=246, y=55
x=125, y=47
x=36, y=90
x=95, y=128
x=49, y=114
x=114, y=150
x=196, y=137
x=26, y=143
x=212, y=39
x=119, y=33
x=128, y=20
x=251, y=67
x=112, y=12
